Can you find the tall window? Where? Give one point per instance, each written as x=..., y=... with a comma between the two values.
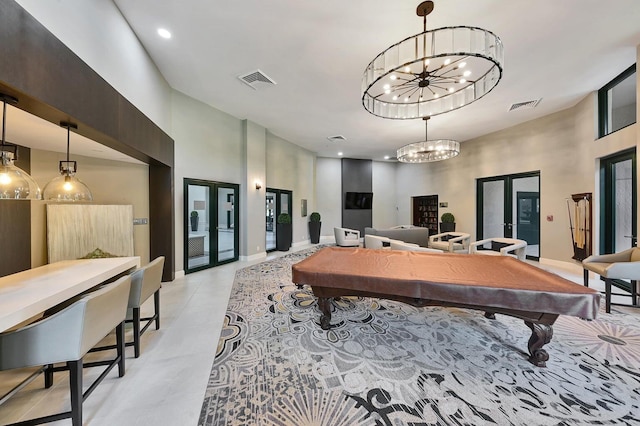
x=617, y=103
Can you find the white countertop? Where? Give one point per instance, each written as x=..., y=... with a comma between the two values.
x=26, y=294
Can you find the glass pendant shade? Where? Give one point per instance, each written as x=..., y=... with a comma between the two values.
x=67, y=187
x=432, y=72
x=15, y=183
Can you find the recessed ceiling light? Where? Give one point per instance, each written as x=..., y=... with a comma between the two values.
x=386, y=157
x=340, y=154
x=164, y=33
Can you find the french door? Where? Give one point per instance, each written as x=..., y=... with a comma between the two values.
x=618, y=204
x=277, y=201
x=211, y=219
x=509, y=206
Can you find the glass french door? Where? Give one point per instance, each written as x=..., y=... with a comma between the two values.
x=509, y=206
x=277, y=201
x=211, y=233
x=618, y=205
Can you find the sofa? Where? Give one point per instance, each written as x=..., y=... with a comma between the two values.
x=415, y=235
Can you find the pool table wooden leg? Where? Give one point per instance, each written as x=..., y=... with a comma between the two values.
x=541, y=334
x=324, y=303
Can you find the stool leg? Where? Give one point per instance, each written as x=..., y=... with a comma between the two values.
x=75, y=383
x=48, y=376
x=586, y=277
x=156, y=303
x=136, y=331
x=634, y=292
x=120, y=345
x=607, y=290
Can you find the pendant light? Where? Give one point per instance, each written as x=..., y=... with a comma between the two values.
x=67, y=187
x=15, y=183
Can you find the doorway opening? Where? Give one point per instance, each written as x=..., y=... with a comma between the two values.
x=211, y=224
x=618, y=206
x=277, y=201
x=509, y=207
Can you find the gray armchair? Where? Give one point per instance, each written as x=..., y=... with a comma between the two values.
x=67, y=336
x=622, y=265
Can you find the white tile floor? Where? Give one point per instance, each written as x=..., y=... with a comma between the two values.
x=166, y=385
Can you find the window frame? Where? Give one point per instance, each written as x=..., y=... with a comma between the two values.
x=603, y=101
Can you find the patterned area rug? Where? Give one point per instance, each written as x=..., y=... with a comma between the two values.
x=388, y=363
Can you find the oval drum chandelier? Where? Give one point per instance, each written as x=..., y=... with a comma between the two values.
x=428, y=150
x=432, y=72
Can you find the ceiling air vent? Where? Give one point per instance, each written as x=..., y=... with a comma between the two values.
x=527, y=104
x=337, y=138
x=256, y=80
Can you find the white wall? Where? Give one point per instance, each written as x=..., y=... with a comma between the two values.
x=96, y=32
x=329, y=194
x=561, y=145
x=293, y=168
x=208, y=145
x=252, y=212
x=385, y=212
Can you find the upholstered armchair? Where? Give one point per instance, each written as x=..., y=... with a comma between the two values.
x=622, y=265
x=401, y=245
x=501, y=247
x=346, y=237
x=453, y=242
x=376, y=242
x=66, y=336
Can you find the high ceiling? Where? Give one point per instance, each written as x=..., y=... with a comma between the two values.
x=316, y=52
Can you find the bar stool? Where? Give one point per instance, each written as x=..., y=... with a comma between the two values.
x=67, y=336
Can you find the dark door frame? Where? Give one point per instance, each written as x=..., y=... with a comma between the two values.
x=278, y=209
x=213, y=219
x=607, y=201
x=508, y=203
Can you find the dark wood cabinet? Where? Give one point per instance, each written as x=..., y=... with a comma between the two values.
x=425, y=212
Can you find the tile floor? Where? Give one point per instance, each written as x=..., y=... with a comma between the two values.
x=166, y=385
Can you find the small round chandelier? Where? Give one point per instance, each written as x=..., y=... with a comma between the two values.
x=432, y=72
x=428, y=151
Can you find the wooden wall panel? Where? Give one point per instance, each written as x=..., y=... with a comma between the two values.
x=15, y=236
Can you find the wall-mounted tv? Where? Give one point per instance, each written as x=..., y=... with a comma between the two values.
x=358, y=200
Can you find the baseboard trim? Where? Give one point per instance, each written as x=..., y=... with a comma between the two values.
x=570, y=266
x=256, y=256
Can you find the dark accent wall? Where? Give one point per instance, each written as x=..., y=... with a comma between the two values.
x=356, y=177
x=53, y=83
x=15, y=227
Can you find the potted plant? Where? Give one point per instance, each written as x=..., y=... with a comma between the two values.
x=194, y=221
x=314, y=227
x=283, y=232
x=447, y=223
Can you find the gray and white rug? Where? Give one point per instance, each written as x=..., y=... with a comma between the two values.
x=388, y=363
